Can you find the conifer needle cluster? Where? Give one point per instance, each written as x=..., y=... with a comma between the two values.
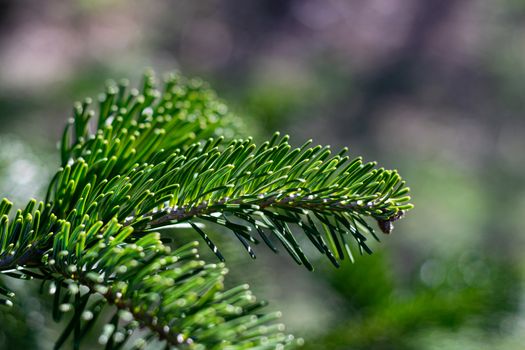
x=155, y=157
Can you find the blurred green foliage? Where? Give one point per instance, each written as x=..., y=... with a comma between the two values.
x=382, y=313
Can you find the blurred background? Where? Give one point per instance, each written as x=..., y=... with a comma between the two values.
x=433, y=88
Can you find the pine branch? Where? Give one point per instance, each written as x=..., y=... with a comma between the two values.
x=145, y=167
x=173, y=295
x=243, y=188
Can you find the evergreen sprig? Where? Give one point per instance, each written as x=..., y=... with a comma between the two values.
x=150, y=159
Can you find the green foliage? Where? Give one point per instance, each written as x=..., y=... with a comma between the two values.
x=15, y=331
x=164, y=158
x=380, y=313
